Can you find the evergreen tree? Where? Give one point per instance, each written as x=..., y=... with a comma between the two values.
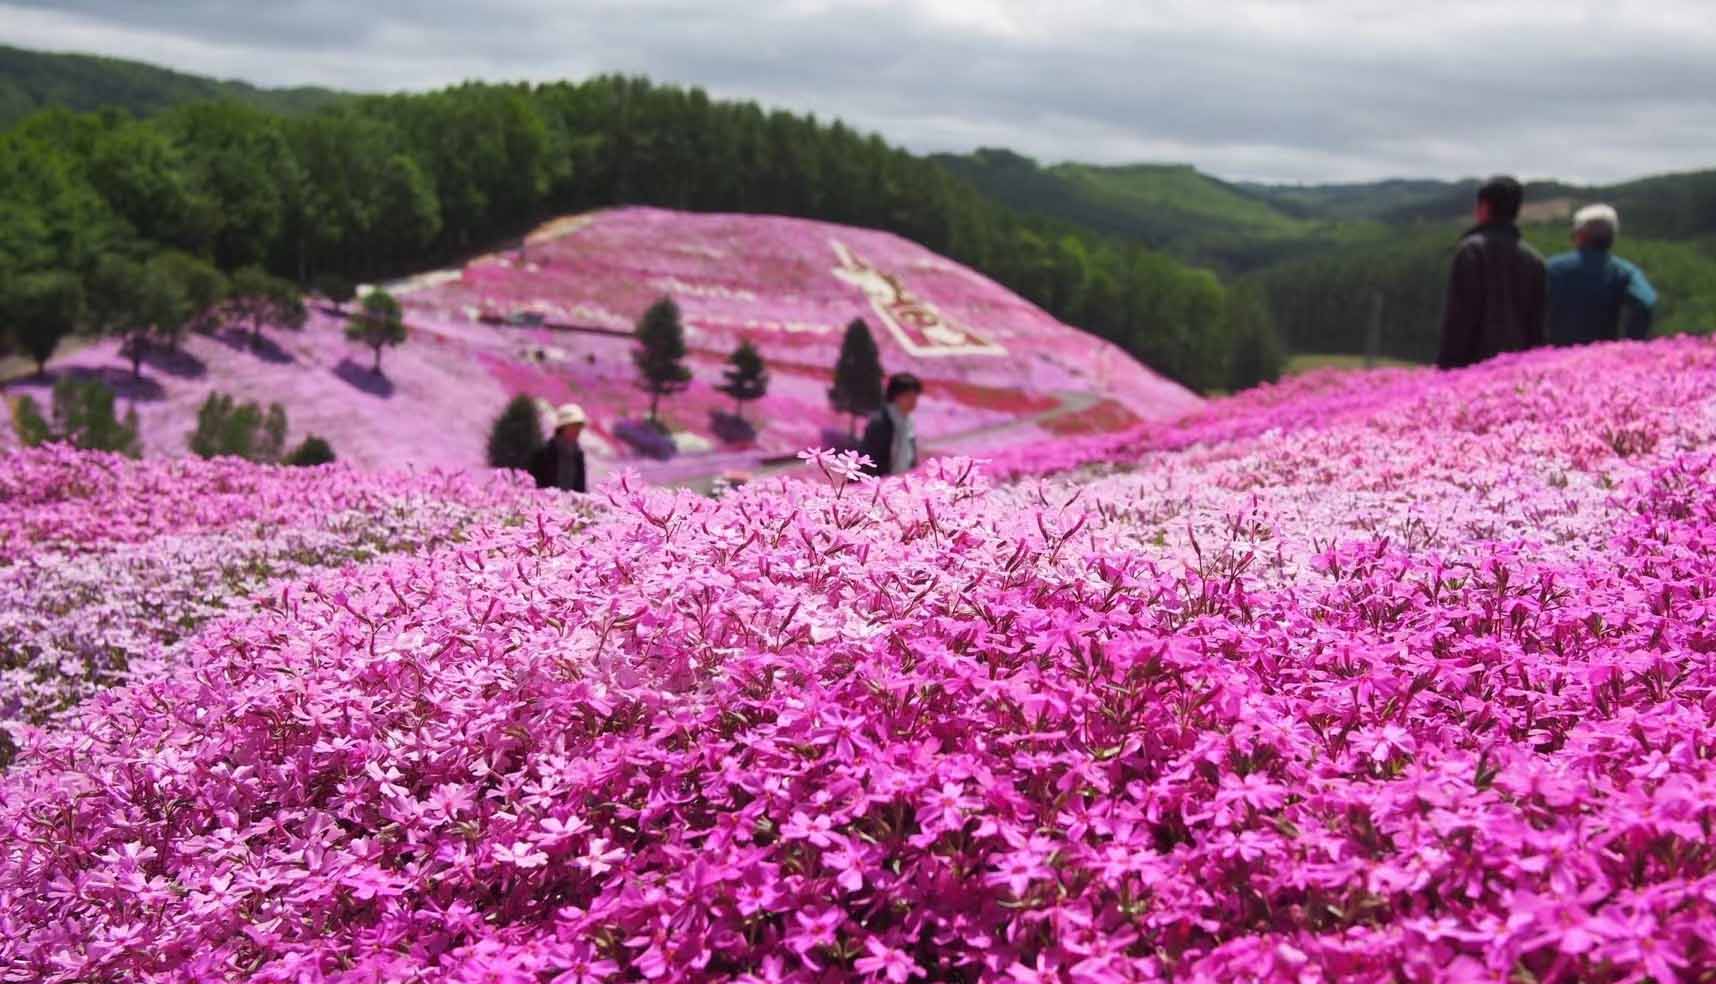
x=41, y=309
x=857, y=389
x=83, y=417
x=313, y=451
x=1256, y=355
x=659, y=355
x=746, y=377
x=32, y=428
x=516, y=434
x=377, y=324
x=225, y=428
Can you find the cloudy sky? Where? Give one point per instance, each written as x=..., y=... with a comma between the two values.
x=1268, y=89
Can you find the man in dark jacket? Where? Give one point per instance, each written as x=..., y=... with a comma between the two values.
x=559, y=464
x=1496, y=293
x=1590, y=289
x=891, y=439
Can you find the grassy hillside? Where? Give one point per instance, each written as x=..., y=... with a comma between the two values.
x=1172, y=207
x=34, y=80
x=1368, y=200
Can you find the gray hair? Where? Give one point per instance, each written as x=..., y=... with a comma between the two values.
x=1600, y=222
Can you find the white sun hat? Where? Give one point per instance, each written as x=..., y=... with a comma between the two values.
x=569, y=413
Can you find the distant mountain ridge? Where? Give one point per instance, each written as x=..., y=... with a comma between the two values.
x=35, y=80
x=1240, y=226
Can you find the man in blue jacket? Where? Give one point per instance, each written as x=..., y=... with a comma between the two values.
x=1590, y=289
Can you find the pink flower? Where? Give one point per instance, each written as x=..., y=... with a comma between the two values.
x=885, y=961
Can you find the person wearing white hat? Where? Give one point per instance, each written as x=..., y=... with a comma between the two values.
x=1590, y=289
x=559, y=463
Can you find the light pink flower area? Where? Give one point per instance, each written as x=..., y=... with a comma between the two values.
x=1396, y=677
x=554, y=321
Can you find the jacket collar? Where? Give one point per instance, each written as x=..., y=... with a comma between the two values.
x=1507, y=229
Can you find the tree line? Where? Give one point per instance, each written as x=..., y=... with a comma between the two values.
x=1325, y=302
x=377, y=186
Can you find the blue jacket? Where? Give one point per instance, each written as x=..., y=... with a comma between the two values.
x=1588, y=291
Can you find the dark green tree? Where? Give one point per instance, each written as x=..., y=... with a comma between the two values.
x=260, y=298
x=120, y=302
x=1256, y=355
x=516, y=434
x=41, y=309
x=312, y=451
x=377, y=324
x=227, y=428
x=857, y=389
x=83, y=417
x=203, y=287
x=336, y=288
x=746, y=377
x=660, y=354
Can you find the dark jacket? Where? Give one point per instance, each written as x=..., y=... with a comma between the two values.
x=545, y=467
x=878, y=443
x=1588, y=292
x=1496, y=297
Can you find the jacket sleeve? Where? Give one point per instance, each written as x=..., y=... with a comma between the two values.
x=578, y=483
x=1462, y=310
x=1640, y=303
x=1537, y=311
x=878, y=444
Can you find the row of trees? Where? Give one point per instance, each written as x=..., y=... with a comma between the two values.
x=380, y=185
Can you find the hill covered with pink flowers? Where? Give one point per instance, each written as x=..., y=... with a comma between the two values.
x=1402, y=676
x=553, y=319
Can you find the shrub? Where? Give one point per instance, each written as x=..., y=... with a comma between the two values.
x=516, y=434
x=646, y=437
x=313, y=450
x=83, y=417
x=227, y=428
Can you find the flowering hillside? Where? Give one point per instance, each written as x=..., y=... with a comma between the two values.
x=554, y=320
x=1393, y=677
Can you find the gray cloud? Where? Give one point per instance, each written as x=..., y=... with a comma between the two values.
x=1328, y=90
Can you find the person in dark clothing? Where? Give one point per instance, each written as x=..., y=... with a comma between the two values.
x=1590, y=289
x=891, y=439
x=1497, y=297
x=559, y=464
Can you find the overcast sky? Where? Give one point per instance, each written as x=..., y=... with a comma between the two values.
x=1298, y=91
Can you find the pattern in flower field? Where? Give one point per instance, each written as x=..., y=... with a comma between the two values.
x=773, y=280
x=1405, y=677
x=105, y=563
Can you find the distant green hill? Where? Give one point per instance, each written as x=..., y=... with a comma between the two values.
x=33, y=80
x=1368, y=200
x=1173, y=207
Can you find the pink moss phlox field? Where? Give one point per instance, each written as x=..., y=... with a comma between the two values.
x=104, y=561
x=1410, y=686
